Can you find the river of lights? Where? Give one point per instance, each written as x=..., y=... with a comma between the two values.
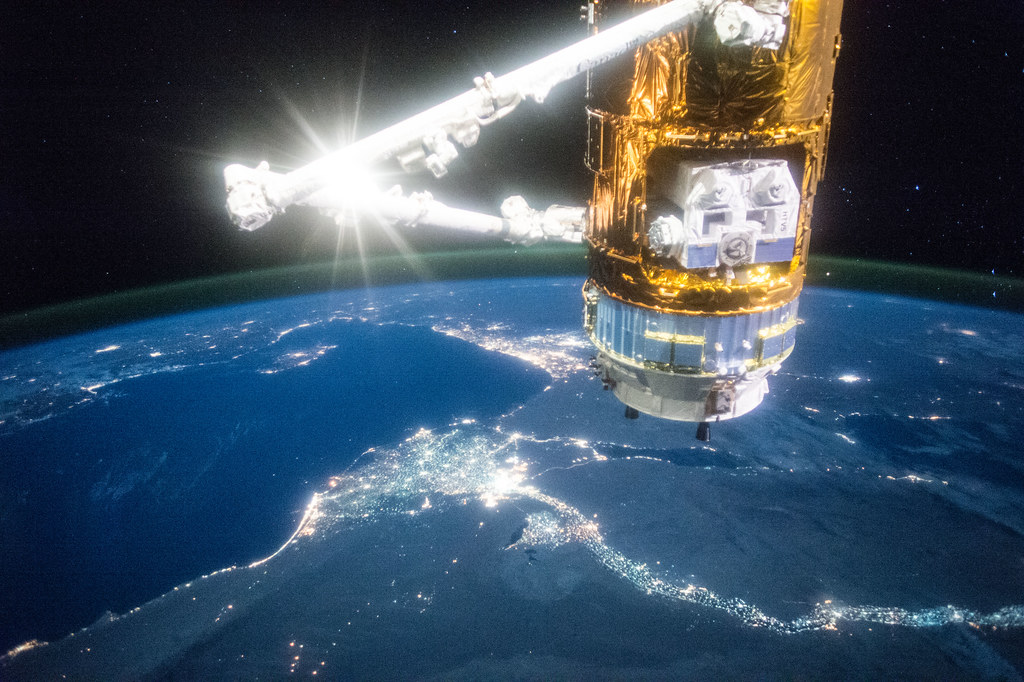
x=430, y=471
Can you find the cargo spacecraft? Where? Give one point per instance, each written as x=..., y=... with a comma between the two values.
x=705, y=170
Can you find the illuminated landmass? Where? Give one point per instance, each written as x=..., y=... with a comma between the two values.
x=813, y=528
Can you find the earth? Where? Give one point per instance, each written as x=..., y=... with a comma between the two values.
x=427, y=480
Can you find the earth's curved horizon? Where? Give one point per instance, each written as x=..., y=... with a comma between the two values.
x=77, y=316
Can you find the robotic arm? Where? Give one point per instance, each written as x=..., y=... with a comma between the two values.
x=428, y=140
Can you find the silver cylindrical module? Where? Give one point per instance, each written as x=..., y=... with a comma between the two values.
x=687, y=367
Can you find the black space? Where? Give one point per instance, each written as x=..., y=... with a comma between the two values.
x=116, y=119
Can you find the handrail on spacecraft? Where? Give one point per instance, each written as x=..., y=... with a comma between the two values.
x=336, y=183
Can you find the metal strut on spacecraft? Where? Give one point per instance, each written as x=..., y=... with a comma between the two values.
x=336, y=183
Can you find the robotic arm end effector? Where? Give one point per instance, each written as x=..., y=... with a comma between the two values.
x=528, y=226
x=762, y=24
x=248, y=205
